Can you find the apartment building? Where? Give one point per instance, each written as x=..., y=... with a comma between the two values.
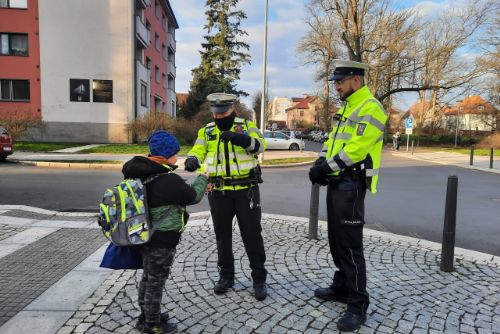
x=101, y=64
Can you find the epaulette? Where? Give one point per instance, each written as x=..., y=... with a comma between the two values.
x=210, y=125
x=239, y=120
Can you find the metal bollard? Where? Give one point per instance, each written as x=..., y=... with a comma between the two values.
x=472, y=155
x=450, y=217
x=412, y=147
x=491, y=157
x=313, y=212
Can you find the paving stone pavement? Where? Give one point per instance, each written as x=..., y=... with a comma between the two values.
x=409, y=294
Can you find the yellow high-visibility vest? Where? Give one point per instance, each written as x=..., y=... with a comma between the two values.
x=357, y=134
x=226, y=160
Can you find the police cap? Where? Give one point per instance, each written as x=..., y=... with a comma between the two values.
x=345, y=68
x=221, y=102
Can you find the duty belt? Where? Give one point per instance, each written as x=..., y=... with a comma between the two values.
x=219, y=181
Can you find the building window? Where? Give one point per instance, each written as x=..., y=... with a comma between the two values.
x=480, y=108
x=14, y=4
x=148, y=63
x=14, y=90
x=164, y=51
x=157, y=104
x=157, y=74
x=14, y=44
x=165, y=24
x=144, y=95
x=173, y=108
x=164, y=80
x=301, y=113
x=157, y=9
x=157, y=42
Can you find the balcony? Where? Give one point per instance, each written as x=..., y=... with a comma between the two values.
x=171, y=68
x=142, y=72
x=142, y=32
x=171, y=41
x=142, y=4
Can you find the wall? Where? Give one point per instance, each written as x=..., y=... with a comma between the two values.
x=91, y=39
x=21, y=67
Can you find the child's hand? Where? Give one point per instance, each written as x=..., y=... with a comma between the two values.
x=208, y=188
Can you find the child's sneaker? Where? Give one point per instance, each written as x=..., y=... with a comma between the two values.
x=141, y=320
x=162, y=328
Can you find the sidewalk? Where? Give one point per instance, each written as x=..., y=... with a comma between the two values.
x=481, y=163
x=408, y=291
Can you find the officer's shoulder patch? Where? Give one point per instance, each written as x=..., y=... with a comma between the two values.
x=211, y=124
x=361, y=129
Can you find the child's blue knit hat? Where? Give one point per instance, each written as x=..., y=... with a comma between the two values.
x=163, y=143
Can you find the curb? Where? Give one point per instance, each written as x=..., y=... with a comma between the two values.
x=83, y=165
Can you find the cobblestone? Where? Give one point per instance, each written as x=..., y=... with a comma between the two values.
x=408, y=292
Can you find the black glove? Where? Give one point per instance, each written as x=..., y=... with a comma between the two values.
x=239, y=139
x=319, y=161
x=191, y=164
x=318, y=173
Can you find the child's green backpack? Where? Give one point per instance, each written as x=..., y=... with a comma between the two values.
x=124, y=214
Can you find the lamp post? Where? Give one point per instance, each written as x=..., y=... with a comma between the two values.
x=264, y=68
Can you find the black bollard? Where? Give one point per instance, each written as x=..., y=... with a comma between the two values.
x=491, y=157
x=450, y=217
x=472, y=155
x=313, y=212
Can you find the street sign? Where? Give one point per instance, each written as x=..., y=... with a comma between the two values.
x=408, y=131
x=409, y=123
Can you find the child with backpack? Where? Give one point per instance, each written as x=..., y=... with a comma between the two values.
x=167, y=195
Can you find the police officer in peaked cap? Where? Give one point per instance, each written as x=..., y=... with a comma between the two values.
x=349, y=165
x=227, y=148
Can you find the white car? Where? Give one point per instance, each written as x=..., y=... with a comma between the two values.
x=277, y=140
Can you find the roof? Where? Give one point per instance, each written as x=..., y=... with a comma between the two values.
x=302, y=103
x=472, y=105
x=181, y=98
x=170, y=12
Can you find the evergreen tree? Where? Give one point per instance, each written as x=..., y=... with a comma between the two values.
x=222, y=55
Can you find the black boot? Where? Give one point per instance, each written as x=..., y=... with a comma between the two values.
x=330, y=294
x=350, y=321
x=223, y=285
x=260, y=291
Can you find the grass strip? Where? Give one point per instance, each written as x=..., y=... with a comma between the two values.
x=43, y=147
x=272, y=162
x=117, y=162
x=128, y=149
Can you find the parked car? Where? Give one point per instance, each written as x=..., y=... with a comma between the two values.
x=5, y=144
x=277, y=140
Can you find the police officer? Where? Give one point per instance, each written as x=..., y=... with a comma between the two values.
x=349, y=163
x=228, y=149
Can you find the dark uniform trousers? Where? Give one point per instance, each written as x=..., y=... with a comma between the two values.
x=224, y=205
x=346, y=210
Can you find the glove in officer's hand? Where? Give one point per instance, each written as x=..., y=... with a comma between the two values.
x=317, y=173
x=319, y=161
x=239, y=139
x=191, y=164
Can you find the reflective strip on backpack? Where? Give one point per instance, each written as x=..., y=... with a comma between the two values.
x=121, y=193
x=133, y=197
x=105, y=209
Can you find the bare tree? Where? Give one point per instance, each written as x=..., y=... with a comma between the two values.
x=405, y=53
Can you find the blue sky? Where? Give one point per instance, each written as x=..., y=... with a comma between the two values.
x=287, y=76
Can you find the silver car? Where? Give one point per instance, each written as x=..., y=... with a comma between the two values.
x=277, y=140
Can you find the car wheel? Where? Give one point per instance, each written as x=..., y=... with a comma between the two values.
x=294, y=147
x=3, y=157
